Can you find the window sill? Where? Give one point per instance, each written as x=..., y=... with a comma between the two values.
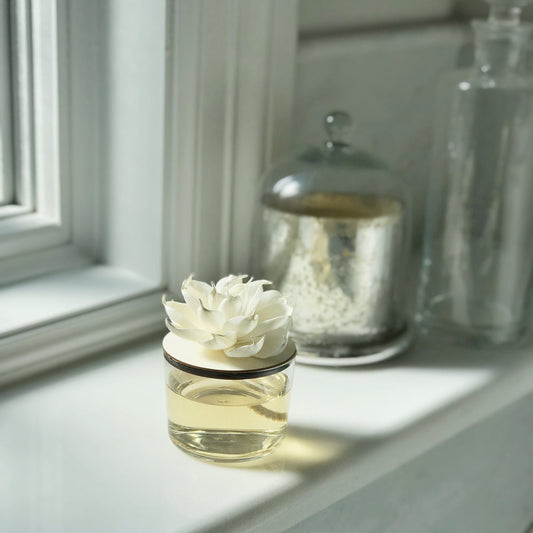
x=59, y=317
x=87, y=449
x=12, y=210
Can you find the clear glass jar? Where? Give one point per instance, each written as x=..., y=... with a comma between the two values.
x=333, y=233
x=228, y=416
x=478, y=260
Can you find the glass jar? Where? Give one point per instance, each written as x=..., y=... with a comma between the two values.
x=478, y=265
x=333, y=233
x=226, y=411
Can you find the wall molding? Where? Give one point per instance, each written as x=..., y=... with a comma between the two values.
x=38, y=349
x=229, y=100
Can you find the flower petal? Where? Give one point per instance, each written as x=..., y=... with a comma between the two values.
x=214, y=299
x=246, y=350
x=221, y=342
x=224, y=284
x=261, y=282
x=274, y=309
x=270, y=325
x=242, y=325
x=195, y=335
x=254, y=291
x=197, y=289
x=231, y=306
x=275, y=342
x=269, y=297
x=237, y=290
x=211, y=319
x=191, y=301
x=179, y=313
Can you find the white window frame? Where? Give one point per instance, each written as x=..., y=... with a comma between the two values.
x=226, y=112
x=41, y=218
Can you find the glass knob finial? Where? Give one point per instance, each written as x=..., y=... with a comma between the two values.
x=506, y=12
x=337, y=125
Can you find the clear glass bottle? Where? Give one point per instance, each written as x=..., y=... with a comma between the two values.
x=478, y=245
x=334, y=229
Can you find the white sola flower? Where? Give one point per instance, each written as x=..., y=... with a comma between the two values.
x=237, y=317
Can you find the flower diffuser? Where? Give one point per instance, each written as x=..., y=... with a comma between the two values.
x=229, y=365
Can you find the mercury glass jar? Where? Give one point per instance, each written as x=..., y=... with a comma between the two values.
x=333, y=233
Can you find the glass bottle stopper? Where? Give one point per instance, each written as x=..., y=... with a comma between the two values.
x=337, y=125
x=506, y=12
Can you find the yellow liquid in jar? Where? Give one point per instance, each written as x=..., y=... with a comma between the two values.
x=227, y=420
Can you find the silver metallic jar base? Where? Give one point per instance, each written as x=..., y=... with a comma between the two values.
x=354, y=355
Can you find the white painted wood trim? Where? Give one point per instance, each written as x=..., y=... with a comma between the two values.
x=52, y=345
x=40, y=262
x=7, y=188
x=264, y=121
x=28, y=232
x=229, y=97
x=87, y=140
x=132, y=130
x=51, y=188
x=21, y=58
x=11, y=210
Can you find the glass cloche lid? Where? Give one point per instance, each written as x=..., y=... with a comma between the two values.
x=334, y=168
